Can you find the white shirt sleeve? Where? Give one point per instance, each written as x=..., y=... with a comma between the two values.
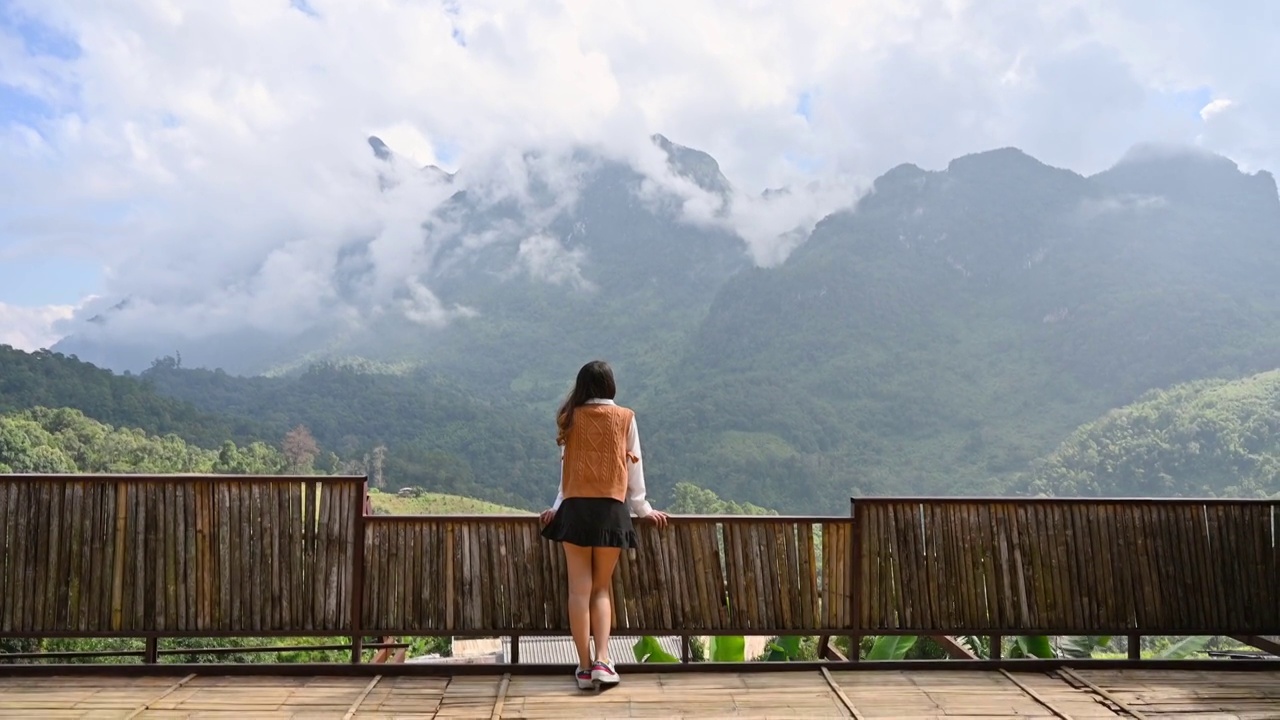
x=640, y=507
x=560, y=493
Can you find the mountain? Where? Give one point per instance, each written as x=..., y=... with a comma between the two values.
x=694, y=165
x=936, y=338
x=412, y=429
x=1206, y=438
x=958, y=324
x=615, y=275
x=587, y=257
x=52, y=380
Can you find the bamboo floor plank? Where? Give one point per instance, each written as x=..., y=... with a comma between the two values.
x=1192, y=694
x=903, y=693
x=1077, y=703
x=402, y=696
x=49, y=695
x=874, y=694
x=790, y=695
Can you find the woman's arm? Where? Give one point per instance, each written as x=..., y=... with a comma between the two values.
x=547, y=515
x=560, y=490
x=640, y=507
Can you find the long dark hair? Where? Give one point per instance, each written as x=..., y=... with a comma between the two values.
x=595, y=380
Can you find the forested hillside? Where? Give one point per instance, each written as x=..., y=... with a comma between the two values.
x=415, y=429
x=63, y=440
x=43, y=440
x=1207, y=438
x=48, y=379
x=342, y=437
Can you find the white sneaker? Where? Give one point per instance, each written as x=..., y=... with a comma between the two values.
x=602, y=673
x=586, y=681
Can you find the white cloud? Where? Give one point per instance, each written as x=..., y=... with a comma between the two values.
x=1092, y=207
x=1215, y=107
x=213, y=153
x=32, y=328
x=546, y=259
x=423, y=307
x=410, y=142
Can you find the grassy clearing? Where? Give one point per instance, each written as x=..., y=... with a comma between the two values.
x=436, y=504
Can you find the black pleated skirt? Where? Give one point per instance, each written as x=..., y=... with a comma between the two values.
x=592, y=522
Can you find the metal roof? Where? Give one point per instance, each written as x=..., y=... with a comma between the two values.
x=558, y=650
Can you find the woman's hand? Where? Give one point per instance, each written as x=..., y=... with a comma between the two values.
x=547, y=516
x=657, y=517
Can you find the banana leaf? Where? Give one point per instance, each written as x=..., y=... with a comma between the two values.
x=1036, y=646
x=784, y=648
x=1184, y=648
x=1083, y=646
x=974, y=644
x=647, y=650
x=1033, y=646
x=728, y=648
x=891, y=647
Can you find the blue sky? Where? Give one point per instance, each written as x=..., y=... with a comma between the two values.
x=40, y=39
x=48, y=280
x=17, y=106
x=29, y=276
x=304, y=6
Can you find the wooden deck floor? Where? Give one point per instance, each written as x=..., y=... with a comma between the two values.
x=867, y=694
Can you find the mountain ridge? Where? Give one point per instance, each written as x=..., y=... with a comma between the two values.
x=559, y=241
x=958, y=323
x=937, y=337
x=489, y=259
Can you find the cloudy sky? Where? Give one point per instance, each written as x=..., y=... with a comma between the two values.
x=211, y=154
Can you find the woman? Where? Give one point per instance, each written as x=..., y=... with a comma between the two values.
x=601, y=485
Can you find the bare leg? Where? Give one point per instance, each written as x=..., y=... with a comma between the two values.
x=578, y=560
x=603, y=561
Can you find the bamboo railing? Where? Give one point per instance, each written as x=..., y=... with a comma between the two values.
x=489, y=575
x=1068, y=567
x=208, y=556
x=202, y=556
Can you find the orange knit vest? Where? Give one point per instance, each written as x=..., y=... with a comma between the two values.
x=595, y=452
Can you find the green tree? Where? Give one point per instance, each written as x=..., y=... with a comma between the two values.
x=1209, y=438
x=689, y=499
x=63, y=440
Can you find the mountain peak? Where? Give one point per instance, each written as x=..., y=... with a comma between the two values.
x=1000, y=160
x=380, y=149
x=438, y=173
x=904, y=174
x=383, y=152
x=694, y=165
x=1001, y=176
x=1172, y=153
x=1187, y=173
